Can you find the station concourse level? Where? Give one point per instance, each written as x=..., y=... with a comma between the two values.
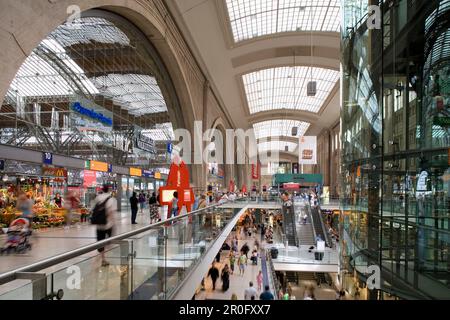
x=224, y=150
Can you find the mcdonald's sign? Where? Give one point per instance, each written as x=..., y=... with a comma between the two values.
x=54, y=172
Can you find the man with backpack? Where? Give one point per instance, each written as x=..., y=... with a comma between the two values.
x=104, y=209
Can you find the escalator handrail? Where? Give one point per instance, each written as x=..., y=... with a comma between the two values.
x=49, y=262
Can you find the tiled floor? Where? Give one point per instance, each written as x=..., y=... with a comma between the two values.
x=54, y=241
x=238, y=283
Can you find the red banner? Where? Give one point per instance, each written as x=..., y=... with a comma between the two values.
x=89, y=178
x=255, y=171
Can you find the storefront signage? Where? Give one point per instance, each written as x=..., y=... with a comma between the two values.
x=255, y=171
x=157, y=175
x=291, y=186
x=54, y=172
x=145, y=143
x=89, y=178
x=135, y=172
x=307, y=150
x=99, y=166
x=47, y=158
x=109, y=167
x=169, y=147
x=148, y=173
x=77, y=107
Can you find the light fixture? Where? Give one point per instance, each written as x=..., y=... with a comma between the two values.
x=294, y=131
x=286, y=148
x=22, y=179
x=5, y=178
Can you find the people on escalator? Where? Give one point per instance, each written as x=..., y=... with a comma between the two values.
x=225, y=278
x=305, y=216
x=134, y=207
x=214, y=274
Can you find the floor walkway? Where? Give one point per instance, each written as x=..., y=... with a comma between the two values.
x=238, y=283
x=54, y=241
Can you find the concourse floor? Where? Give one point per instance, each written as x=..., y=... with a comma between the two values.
x=53, y=241
x=238, y=283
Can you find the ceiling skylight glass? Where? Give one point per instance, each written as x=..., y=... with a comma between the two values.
x=286, y=88
x=139, y=94
x=279, y=128
x=254, y=18
x=277, y=145
x=161, y=132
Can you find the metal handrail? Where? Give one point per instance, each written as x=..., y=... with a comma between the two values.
x=49, y=262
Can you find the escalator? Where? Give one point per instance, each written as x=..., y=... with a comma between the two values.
x=319, y=226
x=289, y=226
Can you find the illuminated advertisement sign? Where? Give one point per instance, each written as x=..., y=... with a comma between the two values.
x=135, y=172
x=157, y=175
x=77, y=107
x=99, y=166
x=54, y=172
x=307, y=150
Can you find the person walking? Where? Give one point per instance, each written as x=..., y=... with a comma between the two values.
x=104, y=209
x=142, y=201
x=71, y=204
x=134, y=207
x=232, y=260
x=225, y=278
x=25, y=205
x=259, y=280
x=214, y=274
x=242, y=263
x=202, y=202
x=266, y=295
x=250, y=293
x=174, y=212
x=153, y=205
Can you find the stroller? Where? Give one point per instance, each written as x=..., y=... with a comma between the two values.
x=18, y=235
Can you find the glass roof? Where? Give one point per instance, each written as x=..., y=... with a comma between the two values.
x=277, y=145
x=161, y=132
x=89, y=31
x=254, y=18
x=279, y=128
x=285, y=88
x=37, y=77
x=137, y=93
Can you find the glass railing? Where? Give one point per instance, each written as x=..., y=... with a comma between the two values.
x=146, y=263
x=306, y=256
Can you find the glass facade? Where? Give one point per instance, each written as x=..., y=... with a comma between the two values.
x=396, y=146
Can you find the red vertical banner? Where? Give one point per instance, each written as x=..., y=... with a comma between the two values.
x=256, y=169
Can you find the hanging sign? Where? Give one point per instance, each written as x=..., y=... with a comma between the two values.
x=135, y=172
x=47, y=158
x=99, y=166
x=145, y=143
x=255, y=171
x=169, y=147
x=307, y=150
x=148, y=173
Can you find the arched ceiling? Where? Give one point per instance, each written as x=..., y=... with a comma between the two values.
x=258, y=56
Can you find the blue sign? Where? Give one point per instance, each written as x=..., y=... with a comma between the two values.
x=109, y=167
x=148, y=174
x=2, y=165
x=77, y=107
x=169, y=147
x=47, y=158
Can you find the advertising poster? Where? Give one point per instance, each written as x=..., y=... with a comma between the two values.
x=307, y=150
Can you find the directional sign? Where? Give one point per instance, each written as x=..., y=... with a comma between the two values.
x=47, y=158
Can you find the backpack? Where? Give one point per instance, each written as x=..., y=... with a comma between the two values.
x=99, y=212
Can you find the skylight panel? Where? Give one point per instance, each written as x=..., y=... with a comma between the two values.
x=255, y=18
x=279, y=128
x=277, y=145
x=285, y=88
